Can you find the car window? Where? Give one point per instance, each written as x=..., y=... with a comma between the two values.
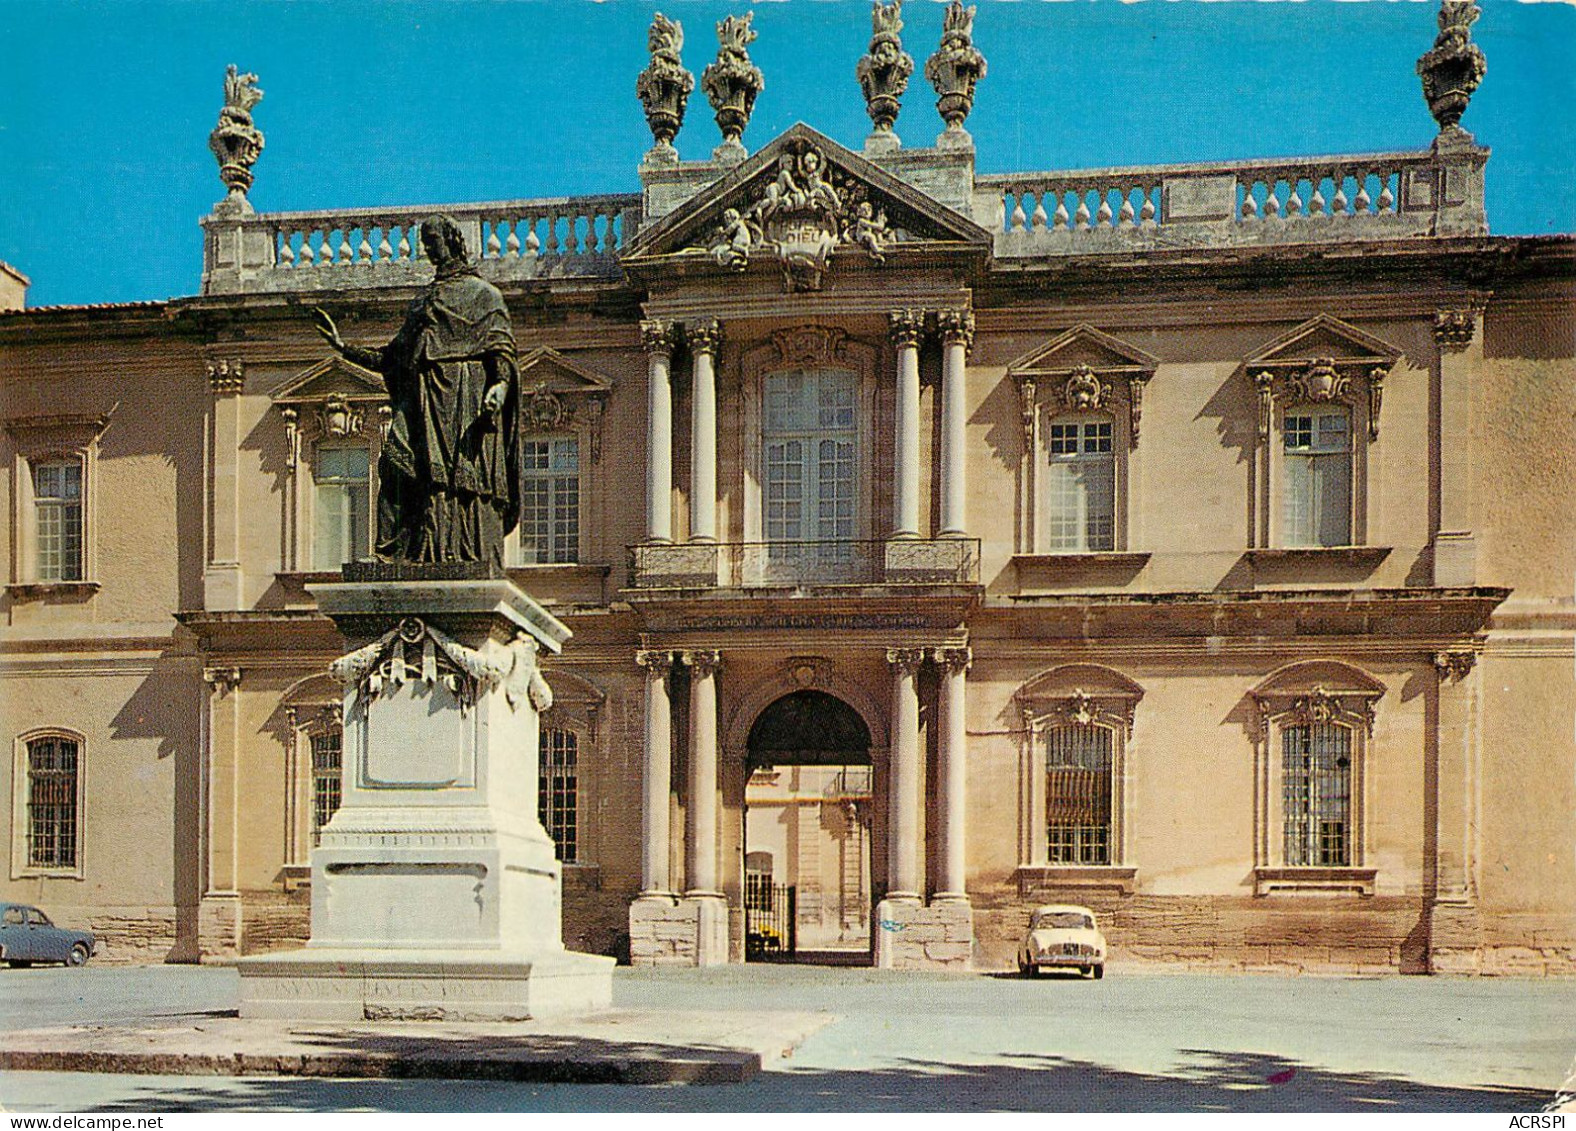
x=1063, y=921
x=12, y=916
x=38, y=918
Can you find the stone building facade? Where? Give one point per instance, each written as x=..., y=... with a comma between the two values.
x=1192, y=542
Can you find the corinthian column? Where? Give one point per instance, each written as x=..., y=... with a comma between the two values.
x=703, y=772
x=957, y=336
x=906, y=328
x=703, y=339
x=656, y=338
x=903, y=873
x=951, y=769
x=657, y=780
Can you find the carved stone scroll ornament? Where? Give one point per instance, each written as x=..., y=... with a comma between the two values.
x=664, y=86
x=956, y=67
x=1084, y=391
x=884, y=70
x=1320, y=706
x=733, y=82
x=1454, y=68
x=1455, y=663
x=226, y=376
x=236, y=142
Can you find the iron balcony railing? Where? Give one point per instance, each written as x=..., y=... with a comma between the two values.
x=759, y=565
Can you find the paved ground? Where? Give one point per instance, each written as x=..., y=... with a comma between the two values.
x=1136, y=1041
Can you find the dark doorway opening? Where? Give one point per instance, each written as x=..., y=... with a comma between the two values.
x=807, y=870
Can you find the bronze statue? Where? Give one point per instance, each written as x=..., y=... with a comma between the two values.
x=449, y=476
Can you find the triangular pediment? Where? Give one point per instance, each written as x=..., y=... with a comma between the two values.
x=1324, y=336
x=545, y=369
x=331, y=377
x=760, y=184
x=1084, y=345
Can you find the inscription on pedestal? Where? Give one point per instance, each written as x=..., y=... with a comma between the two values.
x=419, y=738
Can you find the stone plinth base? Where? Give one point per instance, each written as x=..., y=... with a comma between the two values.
x=911, y=936
x=1455, y=939
x=354, y=984
x=674, y=931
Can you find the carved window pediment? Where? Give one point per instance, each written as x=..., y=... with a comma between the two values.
x=1079, y=695
x=1322, y=361
x=1084, y=370
x=1316, y=693
x=333, y=400
x=558, y=394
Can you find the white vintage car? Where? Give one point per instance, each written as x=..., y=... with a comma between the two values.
x=1062, y=936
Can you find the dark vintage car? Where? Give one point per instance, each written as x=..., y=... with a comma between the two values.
x=27, y=936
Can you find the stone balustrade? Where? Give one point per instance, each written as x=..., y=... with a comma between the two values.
x=354, y=248
x=1296, y=200
x=898, y=561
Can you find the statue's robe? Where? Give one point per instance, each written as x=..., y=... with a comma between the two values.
x=450, y=470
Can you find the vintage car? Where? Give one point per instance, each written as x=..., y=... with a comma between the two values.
x=27, y=936
x=1062, y=936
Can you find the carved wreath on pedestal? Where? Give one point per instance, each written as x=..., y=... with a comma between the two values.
x=385, y=665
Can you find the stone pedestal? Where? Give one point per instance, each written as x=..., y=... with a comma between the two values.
x=678, y=931
x=435, y=889
x=911, y=936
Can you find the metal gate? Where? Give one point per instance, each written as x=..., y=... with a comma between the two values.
x=769, y=919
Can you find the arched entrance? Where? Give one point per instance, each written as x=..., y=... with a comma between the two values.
x=807, y=831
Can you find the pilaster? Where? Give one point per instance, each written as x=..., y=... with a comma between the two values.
x=222, y=575
x=1455, y=922
x=1460, y=354
x=219, y=915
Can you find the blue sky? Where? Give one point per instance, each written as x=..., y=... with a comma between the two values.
x=105, y=107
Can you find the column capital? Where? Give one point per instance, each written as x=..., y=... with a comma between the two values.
x=957, y=659
x=656, y=662
x=905, y=660
x=226, y=376
x=1454, y=329
x=658, y=336
x=1455, y=663
x=906, y=327
x=957, y=326
x=223, y=680
x=703, y=661
x=703, y=336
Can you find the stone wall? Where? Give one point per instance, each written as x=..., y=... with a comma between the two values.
x=910, y=936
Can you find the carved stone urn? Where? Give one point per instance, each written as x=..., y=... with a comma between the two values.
x=1454, y=68
x=884, y=70
x=664, y=86
x=235, y=141
x=733, y=82
x=956, y=67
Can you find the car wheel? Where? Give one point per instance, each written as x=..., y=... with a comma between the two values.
x=78, y=956
x=1023, y=968
x=1099, y=972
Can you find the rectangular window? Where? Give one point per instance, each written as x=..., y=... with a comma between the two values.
x=550, y=501
x=57, y=502
x=1316, y=786
x=810, y=433
x=327, y=778
x=1078, y=794
x=52, y=818
x=1080, y=505
x=1317, y=503
x=557, y=801
x=340, y=507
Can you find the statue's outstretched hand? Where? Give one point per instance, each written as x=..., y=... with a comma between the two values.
x=325, y=326
x=492, y=401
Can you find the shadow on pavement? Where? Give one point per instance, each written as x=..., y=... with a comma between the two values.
x=1206, y=1081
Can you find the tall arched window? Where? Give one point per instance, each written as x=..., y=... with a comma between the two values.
x=49, y=801
x=1078, y=767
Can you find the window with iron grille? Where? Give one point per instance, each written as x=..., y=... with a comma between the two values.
x=1080, y=495
x=327, y=778
x=1316, y=789
x=1078, y=794
x=1317, y=500
x=341, y=517
x=550, y=501
x=53, y=763
x=57, y=505
x=557, y=801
